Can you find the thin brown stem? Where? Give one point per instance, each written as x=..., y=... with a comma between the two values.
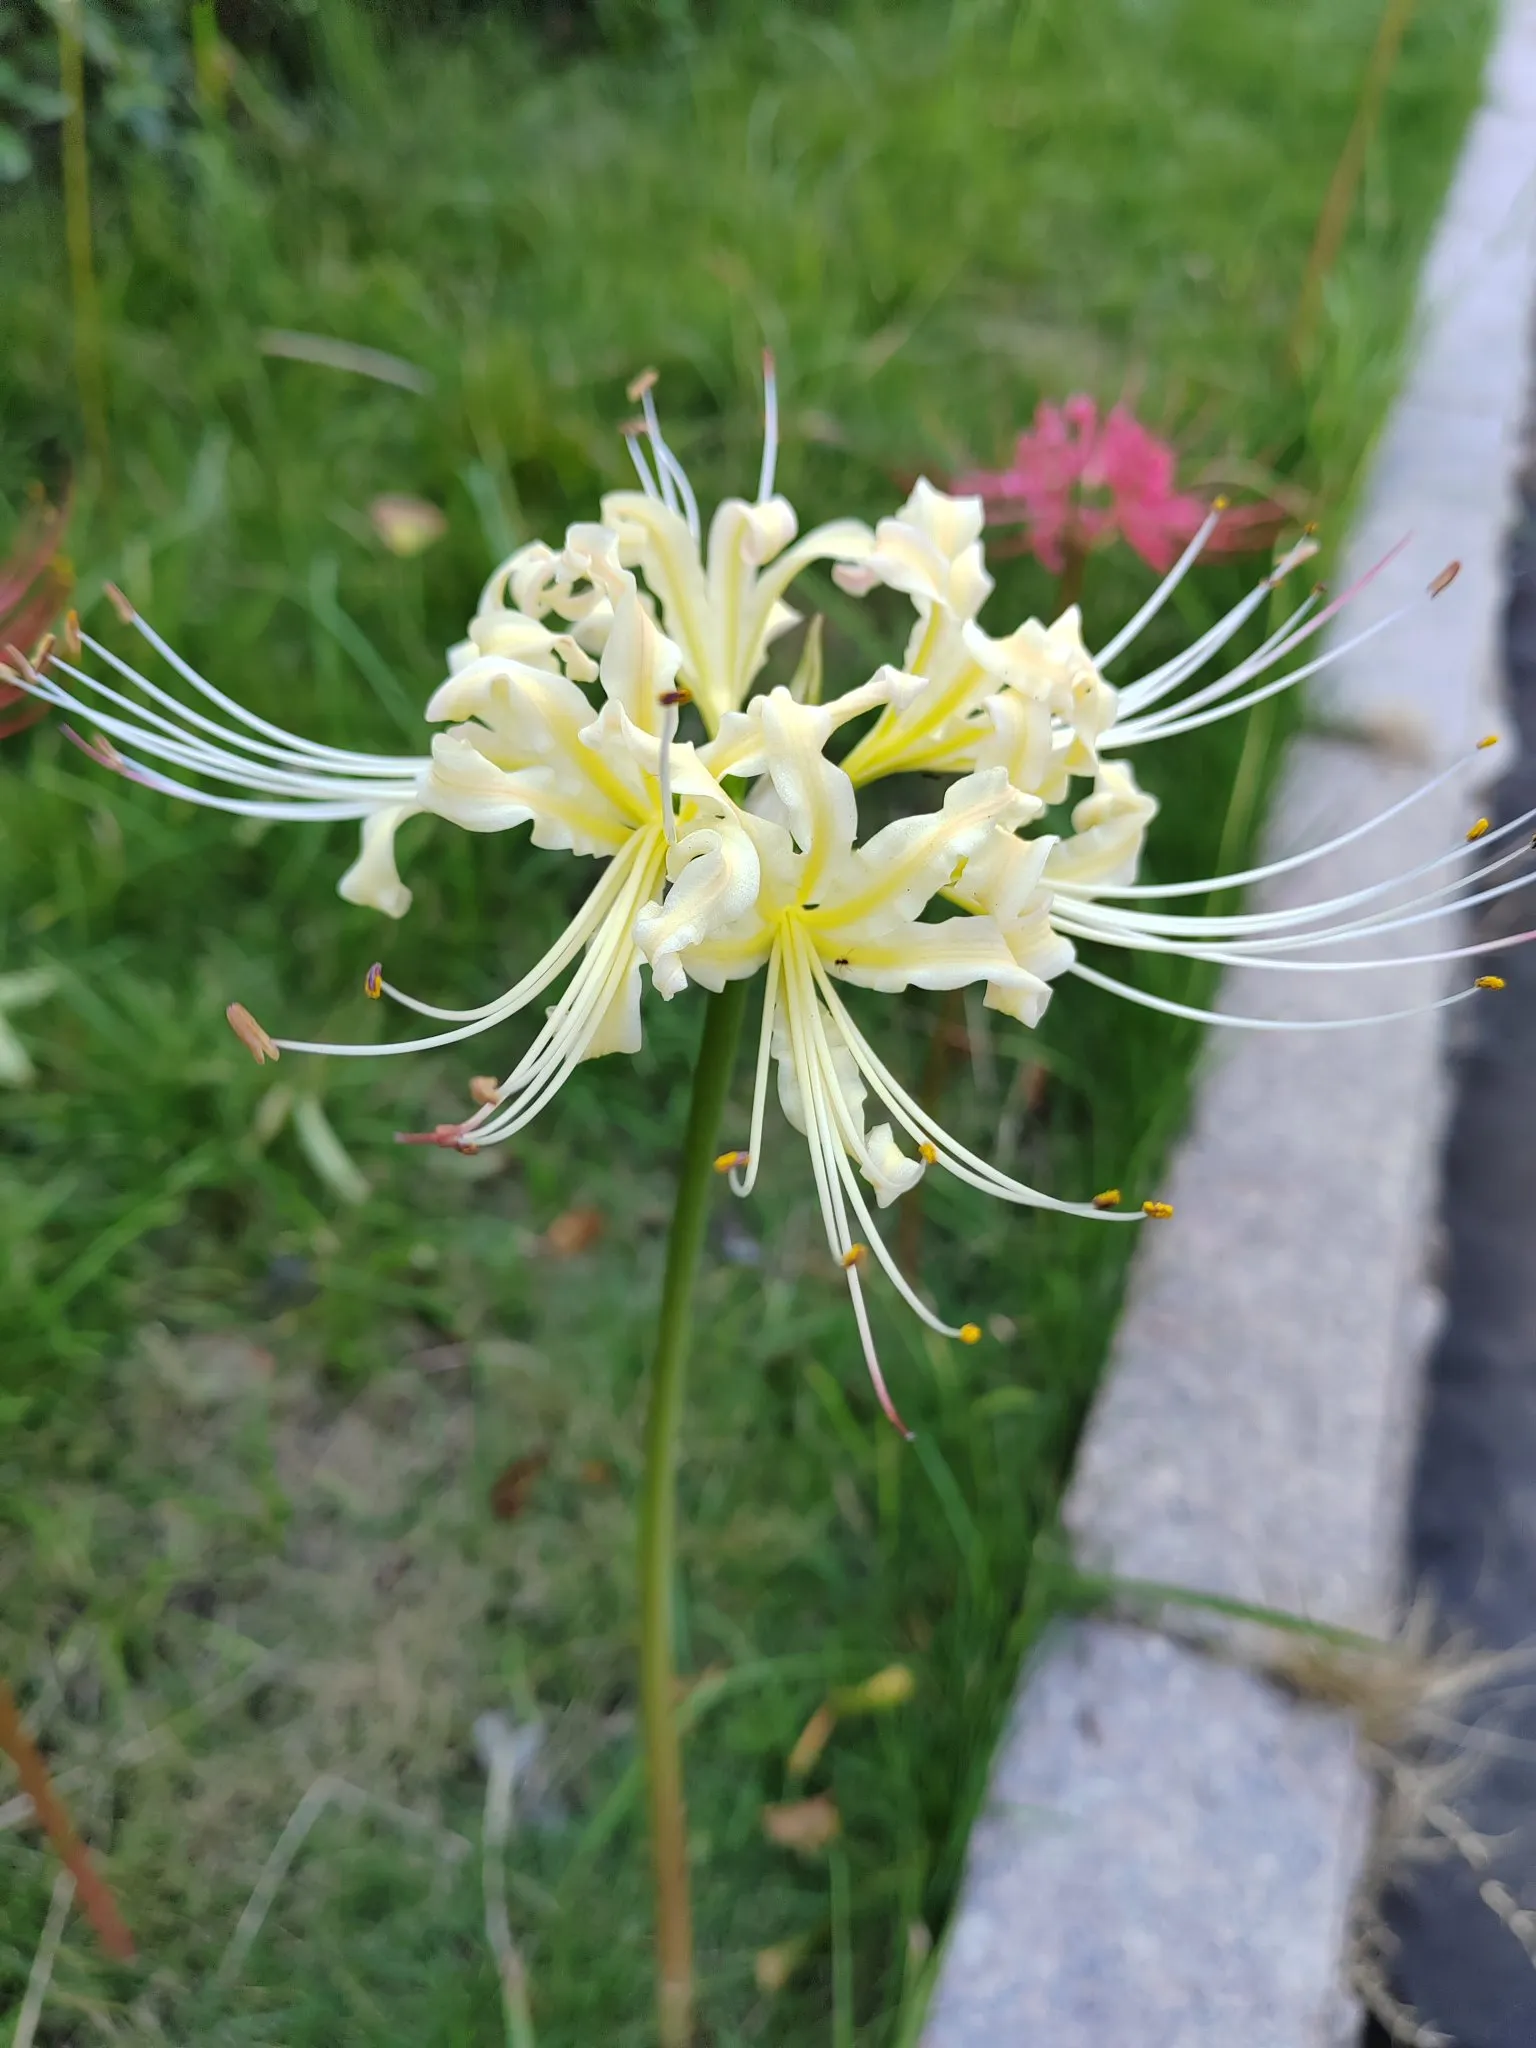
x=91, y=1886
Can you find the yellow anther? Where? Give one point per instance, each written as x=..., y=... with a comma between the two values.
x=677, y=696
x=1110, y=1199
x=1158, y=1211
x=250, y=1034
x=855, y=1255
x=120, y=604
x=1445, y=579
x=1220, y=504
x=729, y=1159
x=1491, y=741
x=637, y=387
x=1477, y=831
x=72, y=635
x=485, y=1089
x=1489, y=981
x=929, y=1154
x=373, y=980
x=970, y=1333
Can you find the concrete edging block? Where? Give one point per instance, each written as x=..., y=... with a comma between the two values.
x=1170, y=1845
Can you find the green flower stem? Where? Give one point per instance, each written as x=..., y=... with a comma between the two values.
x=658, y=1520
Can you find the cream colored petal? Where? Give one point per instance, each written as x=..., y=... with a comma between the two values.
x=567, y=814
x=888, y=881
x=640, y=664
x=887, y=1168
x=1015, y=734
x=657, y=543
x=618, y=1029
x=771, y=526
x=953, y=954
x=1004, y=875
x=1040, y=954
x=373, y=880
x=614, y=737
x=530, y=711
x=1108, y=830
x=953, y=524
x=713, y=878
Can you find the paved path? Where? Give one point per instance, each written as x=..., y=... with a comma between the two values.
x=1169, y=1850
x=1473, y=1532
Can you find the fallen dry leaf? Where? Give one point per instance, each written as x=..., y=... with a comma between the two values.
x=406, y=525
x=804, y=1824
x=890, y=1687
x=812, y=1740
x=773, y=1967
x=577, y=1230
x=514, y=1485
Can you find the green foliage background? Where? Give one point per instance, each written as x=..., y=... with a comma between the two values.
x=250, y=1430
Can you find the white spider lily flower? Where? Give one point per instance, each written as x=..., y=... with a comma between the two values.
x=243, y=764
x=828, y=910
x=721, y=598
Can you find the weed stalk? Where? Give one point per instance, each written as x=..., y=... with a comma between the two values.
x=658, y=1520
x=89, y=375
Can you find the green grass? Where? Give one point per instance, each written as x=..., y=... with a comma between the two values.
x=224, y=1439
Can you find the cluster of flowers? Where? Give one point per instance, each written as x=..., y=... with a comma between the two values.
x=738, y=850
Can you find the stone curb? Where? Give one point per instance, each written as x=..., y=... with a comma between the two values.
x=1170, y=1844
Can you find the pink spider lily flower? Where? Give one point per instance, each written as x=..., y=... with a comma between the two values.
x=34, y=588
x=1078, y=481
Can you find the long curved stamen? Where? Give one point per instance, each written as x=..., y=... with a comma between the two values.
x=216, y=696
x=1159, y=682
x=559, y=1048
x=317, y=810
x=1288, y=864
x=834, y=1216
x=1154, y=604
x=553, y=963
x=1216, y=702
x=1170, y=1008
x=161, y=738
x=1174, y=924
x=1189, y=713
x=632, y=432
x=497, y=1012
x=326, y=760
x=198, y=757
x=1282, y=933
x=770, y=428
x=743, y=1173
x=562, y=1042
x=1260, y=952
x=931, y=1138
x=676, y=491
x=852, y=1147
